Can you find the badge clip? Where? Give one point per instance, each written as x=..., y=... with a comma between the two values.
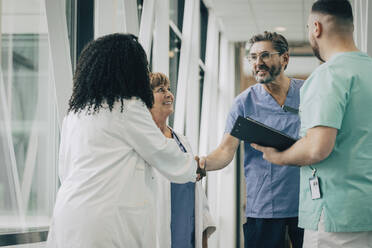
x=314, y=186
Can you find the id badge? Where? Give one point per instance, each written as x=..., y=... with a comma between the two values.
x=314, y=188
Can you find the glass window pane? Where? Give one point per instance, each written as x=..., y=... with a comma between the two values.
x=71, y=28
x=201, y=87
x=31, y=106
x=176, y=8
x=203, y=30
x=174, y=59
x=139, y=9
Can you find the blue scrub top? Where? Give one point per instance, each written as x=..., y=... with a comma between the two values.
x=182, y=211
x=272, y=190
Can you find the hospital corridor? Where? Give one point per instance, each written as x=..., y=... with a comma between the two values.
x=185, y=123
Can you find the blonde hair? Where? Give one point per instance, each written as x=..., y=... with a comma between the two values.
x=158, y=79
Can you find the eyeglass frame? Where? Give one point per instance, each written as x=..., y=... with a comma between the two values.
x=251, y=60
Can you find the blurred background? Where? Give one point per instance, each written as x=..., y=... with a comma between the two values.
x=200, y=45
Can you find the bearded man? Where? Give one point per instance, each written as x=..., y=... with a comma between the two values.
x=335, y=151
x=272, y=190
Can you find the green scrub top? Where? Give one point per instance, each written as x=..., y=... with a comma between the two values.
x=338, y=94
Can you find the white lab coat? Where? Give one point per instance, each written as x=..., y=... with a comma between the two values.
x=106, y=167
x=203, y=218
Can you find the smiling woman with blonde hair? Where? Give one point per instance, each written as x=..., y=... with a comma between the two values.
x=183, y=219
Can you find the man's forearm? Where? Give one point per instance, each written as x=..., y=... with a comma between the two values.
x=218, y=159
x=222, y=155
x=300, y=154
x=313, y=148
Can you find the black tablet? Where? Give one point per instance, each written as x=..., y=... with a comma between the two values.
x=253, y=131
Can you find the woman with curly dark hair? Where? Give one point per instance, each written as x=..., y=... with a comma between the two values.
x=109, y=149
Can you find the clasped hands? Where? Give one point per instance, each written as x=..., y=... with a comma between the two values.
x=201, y=170
x=270, y=154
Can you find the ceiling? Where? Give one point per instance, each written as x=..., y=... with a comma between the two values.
x=240, y=19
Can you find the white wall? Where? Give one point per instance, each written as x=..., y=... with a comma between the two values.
x=301, y=65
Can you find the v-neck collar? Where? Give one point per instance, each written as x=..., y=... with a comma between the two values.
x=270, y=99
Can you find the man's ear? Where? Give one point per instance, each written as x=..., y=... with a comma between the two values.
x=318, y=29
x=285, y=59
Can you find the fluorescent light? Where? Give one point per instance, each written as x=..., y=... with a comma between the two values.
x=280, y=29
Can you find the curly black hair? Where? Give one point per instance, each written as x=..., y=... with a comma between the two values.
x=110, y=69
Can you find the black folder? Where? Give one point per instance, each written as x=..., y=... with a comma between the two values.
x=253, y=131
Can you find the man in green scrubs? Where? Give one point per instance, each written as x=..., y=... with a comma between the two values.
x=335, y=151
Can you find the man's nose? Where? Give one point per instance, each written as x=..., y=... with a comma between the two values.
x=259, y=60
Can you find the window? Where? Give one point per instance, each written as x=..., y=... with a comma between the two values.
x=28, y=119
x=71, y=29
x=203, y=47
x=201, y=87
x=174, y=59
x=139, y=9
x=84, y=24
x=176, y=8
x=203, y=30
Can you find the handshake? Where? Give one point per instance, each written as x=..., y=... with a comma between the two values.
x=201, y=170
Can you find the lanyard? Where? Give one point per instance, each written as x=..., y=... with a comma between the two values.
x=175, y=137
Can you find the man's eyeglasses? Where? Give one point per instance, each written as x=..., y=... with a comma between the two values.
x=264, y=56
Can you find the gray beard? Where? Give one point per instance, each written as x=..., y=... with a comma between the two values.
x=273, y=73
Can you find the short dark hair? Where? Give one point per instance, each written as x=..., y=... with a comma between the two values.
x=340, y=9
x=158, y=79
x=278, y=41
x=110, y=69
